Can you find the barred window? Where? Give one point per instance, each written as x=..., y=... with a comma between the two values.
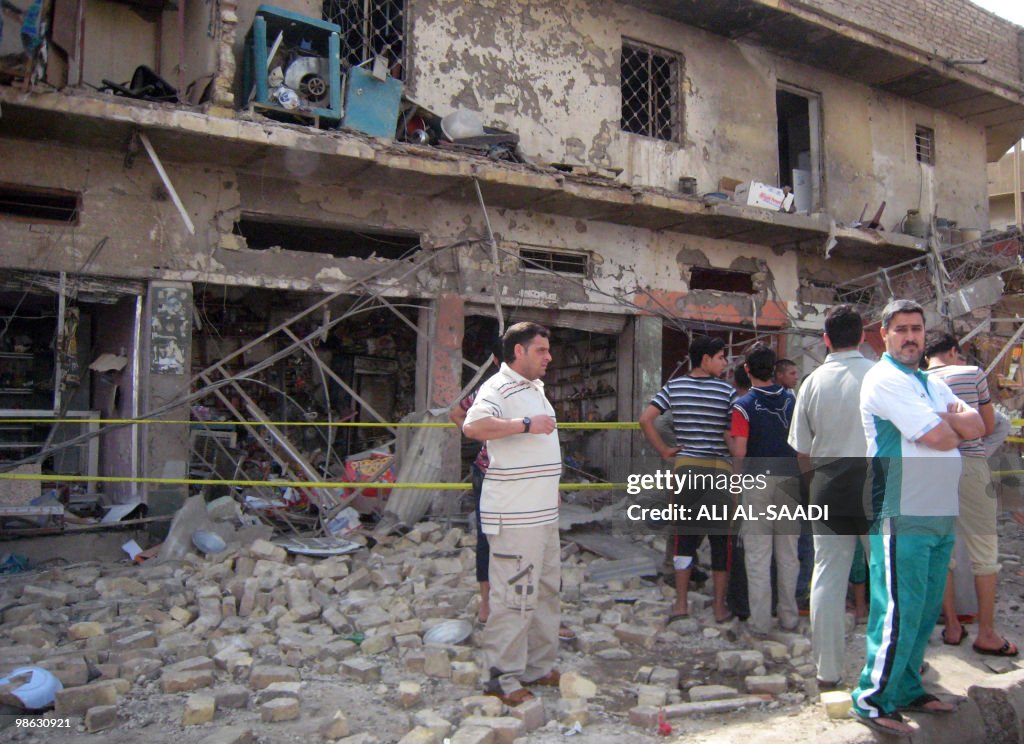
x=370, y=28
x=650, y=85
x=924, y=141
x=556, y=261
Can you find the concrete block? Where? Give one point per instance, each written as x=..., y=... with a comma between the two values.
x=267, y=551
x=420, y=735
x=377, y=644
x=409, y=693
x=506, y=728
x=279, y=709
x=837, y=703
x=361, y=669
x=591, y=642
x=1002, y=699
x=172, y=682
x=703, y=693
x=81, y=631
x=436, y=662
x=664, y=676
x=199, y=709
x=575, y=685
x=473, y=735
x=263, y=676
x=651, y=695
x=430, y=719
x=482, y=705
x=647, y=716
x=771, y=684
x=531, y=713
x=641, y=635
x=75, y=701
x=232, y=696
x=278, y=690
x=465, y=673
x=100, y=718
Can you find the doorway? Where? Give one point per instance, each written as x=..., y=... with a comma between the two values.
x=798, y=115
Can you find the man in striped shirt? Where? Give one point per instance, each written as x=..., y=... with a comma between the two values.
x=699, y=403
x=913, y=424
x=519, y=514
x=976, y=525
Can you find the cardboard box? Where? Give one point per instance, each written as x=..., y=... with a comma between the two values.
x=757, y=194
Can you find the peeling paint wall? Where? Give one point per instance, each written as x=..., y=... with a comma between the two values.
x=550, y=71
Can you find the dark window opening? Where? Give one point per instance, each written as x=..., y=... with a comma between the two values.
x=721, y=279
x=39, y=205
x=261, y=235
x=650, y=85
x=563, y=263
x=924, y=143
x=798, y=129
x=370, y=28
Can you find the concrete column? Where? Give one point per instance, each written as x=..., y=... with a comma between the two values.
x=639, y=372
x=165, y=374
x=446, y=370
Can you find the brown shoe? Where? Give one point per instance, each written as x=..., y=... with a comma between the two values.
x=551, y=679
x=513, y=698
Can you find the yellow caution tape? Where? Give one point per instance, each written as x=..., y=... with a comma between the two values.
x=215, y=424
x=275, y=484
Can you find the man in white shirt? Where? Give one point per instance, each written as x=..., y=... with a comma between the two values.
x=519, y=514
x=833, y=454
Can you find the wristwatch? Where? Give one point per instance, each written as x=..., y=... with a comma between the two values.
x=526, y=424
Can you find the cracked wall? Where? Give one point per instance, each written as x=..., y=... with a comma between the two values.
x=550, y=71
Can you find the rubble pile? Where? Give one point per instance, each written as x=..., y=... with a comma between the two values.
x=254, y=644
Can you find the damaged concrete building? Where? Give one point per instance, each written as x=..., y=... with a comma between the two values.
x=190, y=244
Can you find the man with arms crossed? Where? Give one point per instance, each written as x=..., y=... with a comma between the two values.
x=913, y=424
x=831, y=447
x=976, y=524
x=519, y=514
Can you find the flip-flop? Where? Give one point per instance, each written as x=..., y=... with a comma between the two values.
x=920, y=705
x=724, y=619
x=963, y=636
x=676, y=616
x=566, y=634
x=1003, y=650
x=874, y=725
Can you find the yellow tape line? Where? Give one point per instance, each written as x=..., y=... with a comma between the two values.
x=213, y=425
x=275, y=484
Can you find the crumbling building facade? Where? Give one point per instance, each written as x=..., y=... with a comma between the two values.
x=349, y=277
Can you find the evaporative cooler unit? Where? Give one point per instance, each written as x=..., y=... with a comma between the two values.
x=292, y=65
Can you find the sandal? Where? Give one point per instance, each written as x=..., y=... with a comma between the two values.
x=566, y=634
x=958, y=641
x=676, y=616
x=1003, y=650
x=874, y=725
x=551, y=679
x=920, y=705
x=513, y=698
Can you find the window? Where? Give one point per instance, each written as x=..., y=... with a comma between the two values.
x=721, y=279
x=650, y=91
x=370, y=28
x=39, y=205
x=924, y=142
x=563, y=263
x=263, y=234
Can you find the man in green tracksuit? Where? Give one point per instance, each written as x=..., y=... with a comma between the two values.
x=913, y=424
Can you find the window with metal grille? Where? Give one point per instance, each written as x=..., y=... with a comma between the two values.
x=370, y=28
x=563, y=263
x=924, y=141
x=29, y=204
x=650, y=85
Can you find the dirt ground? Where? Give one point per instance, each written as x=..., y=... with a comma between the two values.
x=145, y=713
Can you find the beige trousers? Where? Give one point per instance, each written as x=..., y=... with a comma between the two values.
x=763, y=539
x=520, y=641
